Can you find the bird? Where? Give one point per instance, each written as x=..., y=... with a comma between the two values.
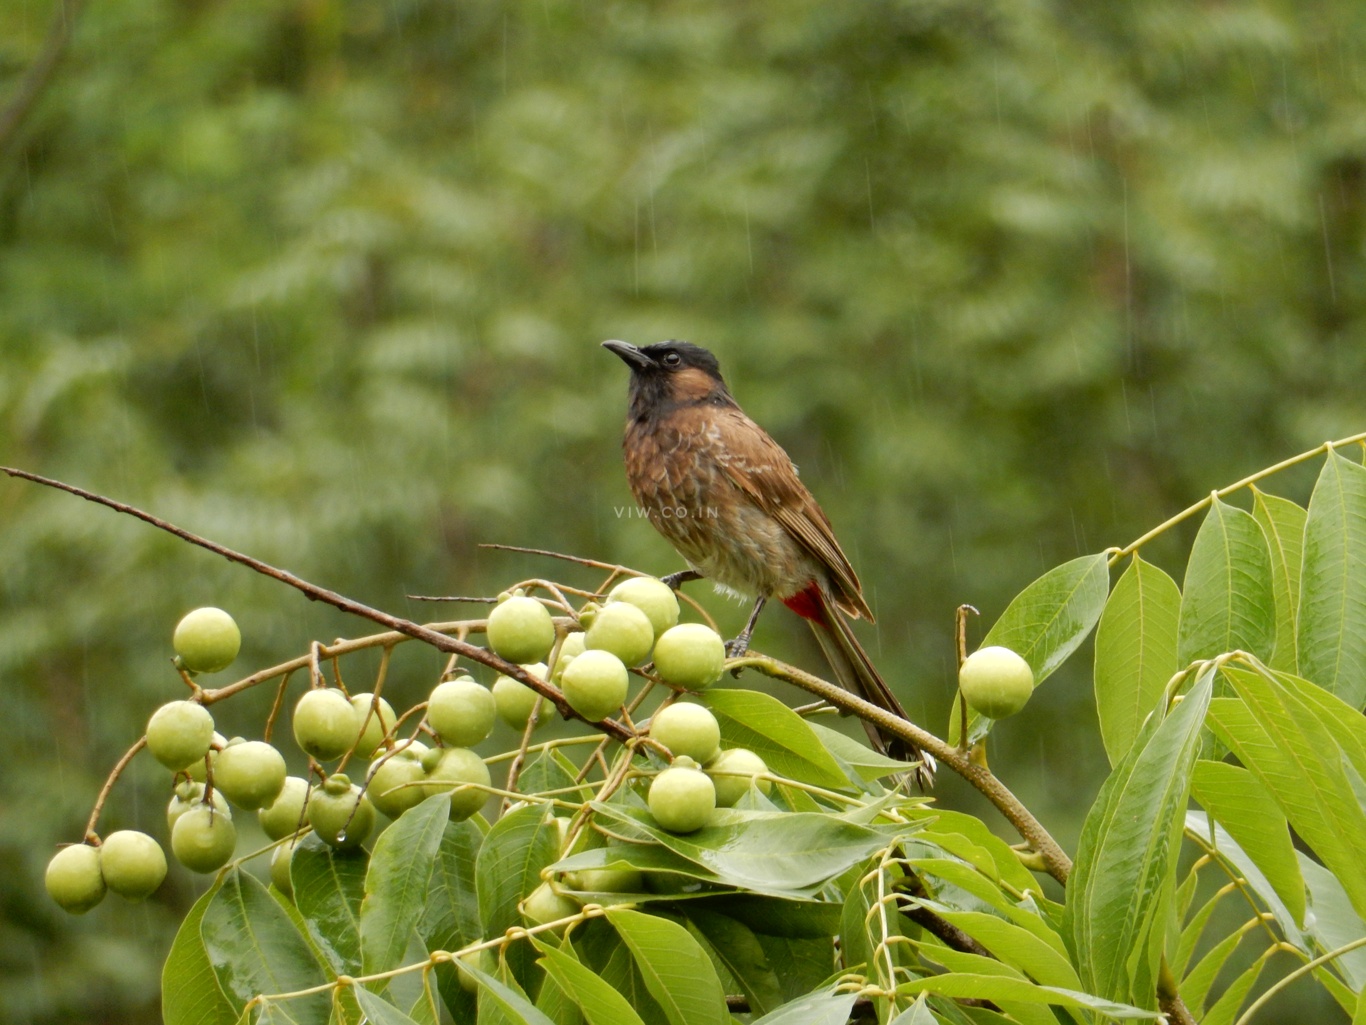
x=730, y=501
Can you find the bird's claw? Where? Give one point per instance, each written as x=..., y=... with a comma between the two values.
x=736, y=648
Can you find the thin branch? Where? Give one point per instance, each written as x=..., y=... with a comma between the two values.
x=1056, y=861
x=90, y=835
x=1205, y=502
x=315, y=593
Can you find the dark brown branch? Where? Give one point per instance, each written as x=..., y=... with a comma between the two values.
x=315, y=593
x=40, y=72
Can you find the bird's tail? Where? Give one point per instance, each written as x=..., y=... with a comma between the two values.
x=855, y=672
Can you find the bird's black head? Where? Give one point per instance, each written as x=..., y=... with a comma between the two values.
x=671, y=374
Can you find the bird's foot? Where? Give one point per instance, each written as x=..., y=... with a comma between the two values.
x=736, y=648
x=677, y=580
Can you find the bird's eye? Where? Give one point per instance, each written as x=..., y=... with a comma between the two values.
x=672, y=359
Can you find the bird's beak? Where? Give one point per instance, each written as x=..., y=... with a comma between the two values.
x=630, y=355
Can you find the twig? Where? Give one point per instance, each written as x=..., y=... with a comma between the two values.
x=1058, y=864
x=1205, y=502
x=91, y=836
x=315, y=593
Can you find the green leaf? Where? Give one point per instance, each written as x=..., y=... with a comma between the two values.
x=255, y=949
x=1048, y=619
x=1194, y=988
x=778, y=735
x=1332, y=613
x=1001, y=989
x=827, y=1007
x=866, y=763
x=1280, y=739
x=1234, y=994
x=776, y=853
x=190, y=994
x=378, y=1010
x=498, y=996
x=677, y=971
x=1015, y=946
x=600, y=1003
x=397, y=882
x=739, y=950
x=1122, y=888
x=1240, y=804
x=1282, y=522
x=508, y=868
x=450, y=918
x=1227, y=602
x=329, y=886
x=1334, y=923
x=1239, y=865
x=1135, y=652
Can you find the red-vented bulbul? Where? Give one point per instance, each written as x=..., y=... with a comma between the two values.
x=728, y=498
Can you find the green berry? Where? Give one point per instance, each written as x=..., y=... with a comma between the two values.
x=681, y=799
x=386, y=788
x=733, y=772
x=653, y=597
x=250, y=773
x=690, y=656
x=449, y=765
x=607, y=880
x=461, y=711
x=520, y=629
x=196, y=769
x=516, y=701
x=546, y=904
x=995, y=681
x=279, y=868
x=378, y=723
x=483, y=960
x=179, y=733
x=339, y=813
x=189, y=794
x=596, y=682
x=687, y=729
x=203, y=840
x=284, y=816
x=624, y=630
x=133, y=864
x=207, y=640
x=73, y=878
x=325, y=723
x=571, y=647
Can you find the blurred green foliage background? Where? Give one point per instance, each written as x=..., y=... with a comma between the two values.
x=325, y=280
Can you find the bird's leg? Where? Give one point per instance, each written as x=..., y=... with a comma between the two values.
x=737, y=647
x=677, y=580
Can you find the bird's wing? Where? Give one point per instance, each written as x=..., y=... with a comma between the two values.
x=758, y=466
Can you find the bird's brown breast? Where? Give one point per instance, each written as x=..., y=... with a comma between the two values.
x=720, y=490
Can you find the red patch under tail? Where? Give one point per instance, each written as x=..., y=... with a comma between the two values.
x=808, y=604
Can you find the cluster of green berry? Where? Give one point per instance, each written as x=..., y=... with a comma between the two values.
x=589, y=663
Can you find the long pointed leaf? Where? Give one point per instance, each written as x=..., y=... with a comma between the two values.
x=397, y=881
x=328, y=888
x=1282, y=521
x=600, y=1003
x=1135, y=652
x=677, y=971
x=1239, y=803
x=1226, y=598
x=1279, y=738
x=255, y=949
x=1048, y=619
x=508, y=868
x=1122, y=888
x=190, y=994
x=1332, y=616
